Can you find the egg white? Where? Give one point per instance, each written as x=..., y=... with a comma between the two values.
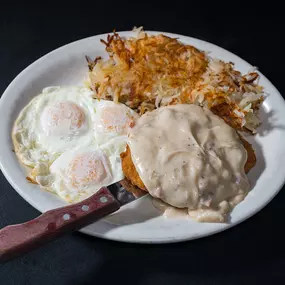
x=59, y=181
x=33, y=144
x=112, y=120
x=49, y=144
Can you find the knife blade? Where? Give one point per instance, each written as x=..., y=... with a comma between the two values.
x=17, y=240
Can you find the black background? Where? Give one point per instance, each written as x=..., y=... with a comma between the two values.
x=250, y=253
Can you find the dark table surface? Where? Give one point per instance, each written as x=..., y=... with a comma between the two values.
x=250, y=253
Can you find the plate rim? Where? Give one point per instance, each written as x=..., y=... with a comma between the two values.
x=129, y=240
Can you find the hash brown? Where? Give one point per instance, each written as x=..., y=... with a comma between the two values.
x=146, y=72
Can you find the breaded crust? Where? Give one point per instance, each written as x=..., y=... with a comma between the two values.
x=132, y=175
x=135, y=190
x=130, y=170
x=251, y=158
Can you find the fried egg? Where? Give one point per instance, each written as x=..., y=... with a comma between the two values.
x=71, y=141
x=80, y=172
x=58, y=119
x=112, y=120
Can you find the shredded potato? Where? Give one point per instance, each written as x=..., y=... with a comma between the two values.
x=230, y=95
x=141, y=70
x=146, y=72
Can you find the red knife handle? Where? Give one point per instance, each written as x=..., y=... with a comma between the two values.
x=15, y=240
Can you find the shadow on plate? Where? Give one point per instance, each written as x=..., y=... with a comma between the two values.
x=132, y=213
x=269, y=123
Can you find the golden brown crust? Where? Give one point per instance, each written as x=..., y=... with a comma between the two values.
x=226, y=112
x=130, y=170
x=145, y=67
x=136, y=191
x=251, y=158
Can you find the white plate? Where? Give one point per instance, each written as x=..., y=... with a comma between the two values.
x=140, y=221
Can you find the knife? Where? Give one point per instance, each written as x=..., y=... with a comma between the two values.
x=16, y=240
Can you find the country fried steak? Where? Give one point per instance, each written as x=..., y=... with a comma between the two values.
x=133, y=177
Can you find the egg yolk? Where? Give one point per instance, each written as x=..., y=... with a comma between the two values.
x=115, y=119
x=86, y=169
x=62, y=119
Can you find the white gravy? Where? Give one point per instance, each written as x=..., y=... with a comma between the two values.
x=169, y=211
x=190, y=158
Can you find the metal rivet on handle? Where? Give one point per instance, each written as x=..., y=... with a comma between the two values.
x=103, y=199
x=85, y=208
x=66, y=217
